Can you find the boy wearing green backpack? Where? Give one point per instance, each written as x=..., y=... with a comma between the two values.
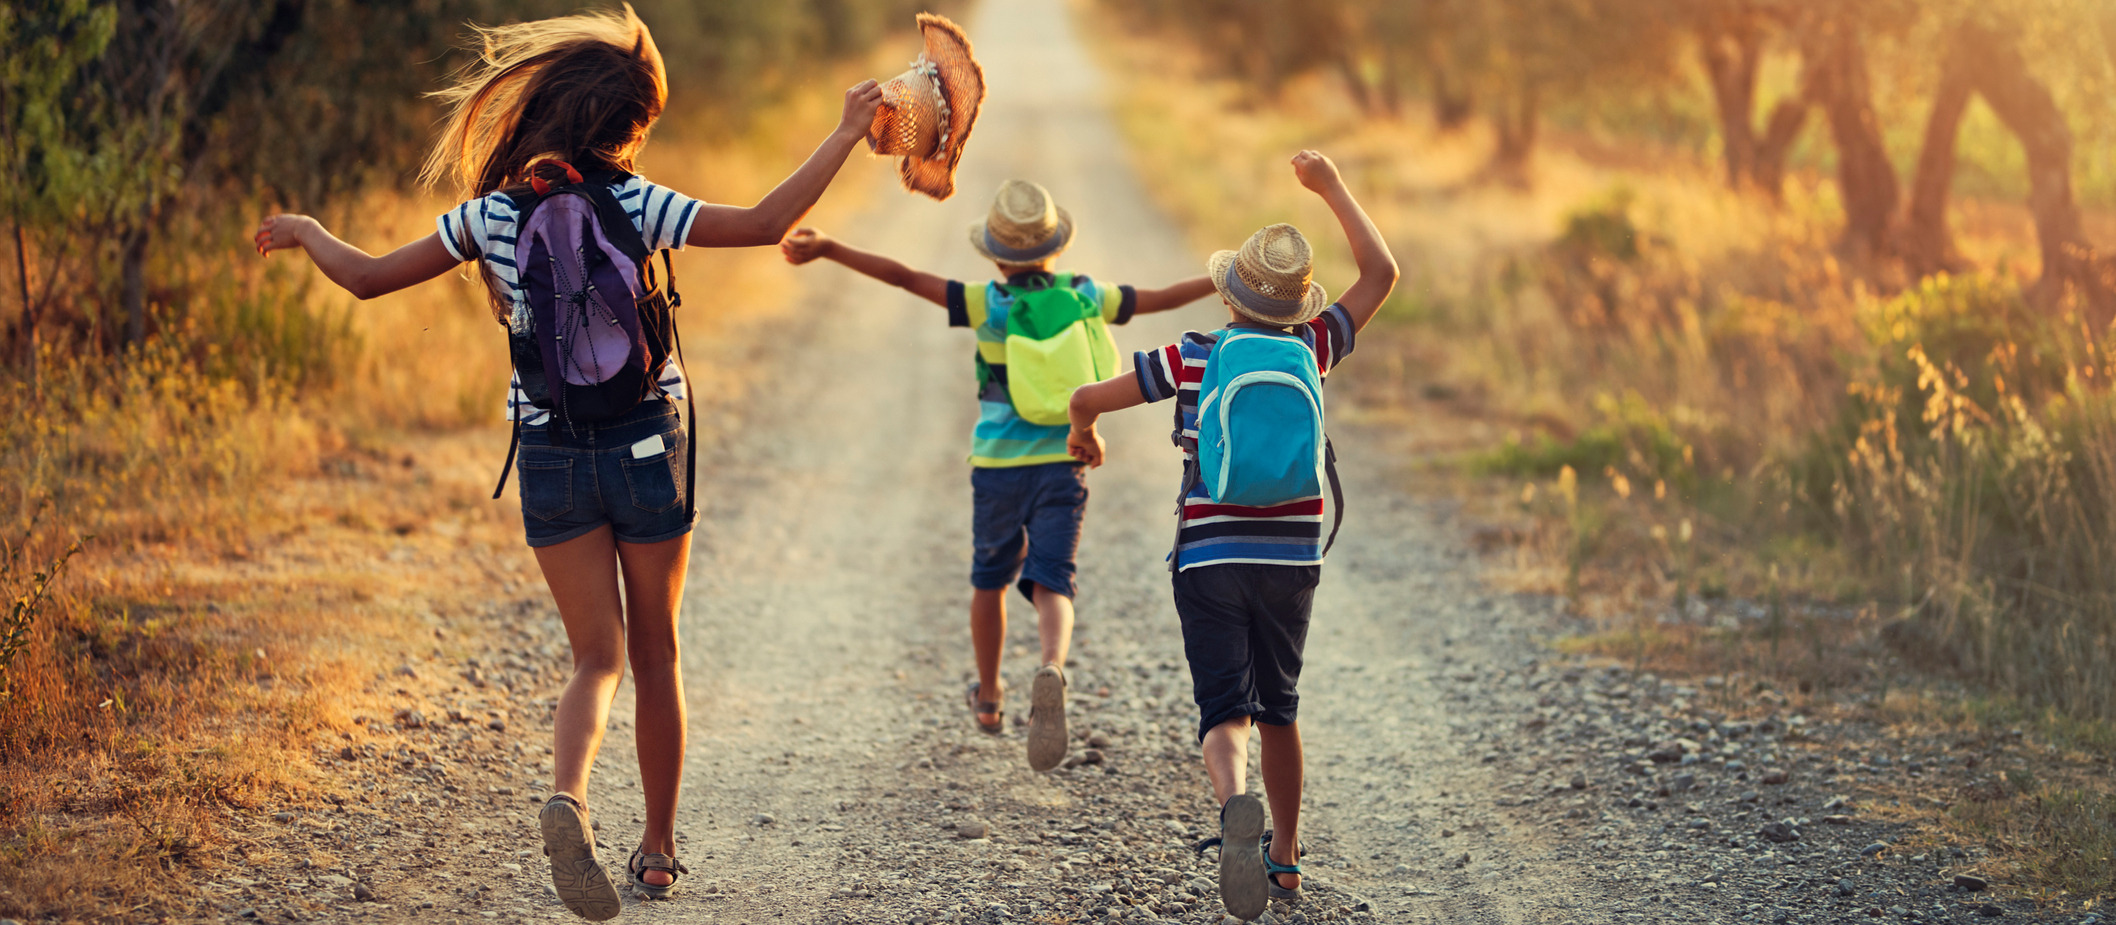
x=1251, y=527
x=1040, y=335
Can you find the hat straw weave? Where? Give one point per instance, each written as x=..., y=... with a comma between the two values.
x=1271, y=279
x=1025, y=225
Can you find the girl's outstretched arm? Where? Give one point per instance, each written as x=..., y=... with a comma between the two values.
x=768, y=220
x=362, y=274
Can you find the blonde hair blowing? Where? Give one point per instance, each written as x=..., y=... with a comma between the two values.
x=598, y=75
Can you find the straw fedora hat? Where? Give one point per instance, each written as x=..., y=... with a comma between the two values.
x=1025, y=226
x=1271, y=279
x=927, y=111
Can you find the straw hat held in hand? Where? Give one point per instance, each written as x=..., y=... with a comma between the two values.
x=927, y=111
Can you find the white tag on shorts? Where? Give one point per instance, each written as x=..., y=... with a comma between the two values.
x=651, y=446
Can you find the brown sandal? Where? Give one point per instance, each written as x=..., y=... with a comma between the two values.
x=576, y=876
x=978, y=707
x=642, y=862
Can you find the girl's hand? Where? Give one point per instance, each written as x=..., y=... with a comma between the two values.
x=861, y=102
x=279, y=232
x=804, y=245
x=1085, y=444
x=1316, y=172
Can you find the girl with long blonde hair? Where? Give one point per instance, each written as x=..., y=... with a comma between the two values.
x=584, y=90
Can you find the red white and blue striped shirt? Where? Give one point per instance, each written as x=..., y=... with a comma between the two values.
x=1223, y=534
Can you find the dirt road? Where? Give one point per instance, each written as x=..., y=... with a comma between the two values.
x=1458, y=772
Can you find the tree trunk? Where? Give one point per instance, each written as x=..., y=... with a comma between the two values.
x=1924, y=241
x=2001, y=75
x=32, y=342
x=1779, y=133
x=1732, y=56
x=1516, y=122
x=1866, y=179
x=132, y=295
x=1452, y=105
x=1364, y=94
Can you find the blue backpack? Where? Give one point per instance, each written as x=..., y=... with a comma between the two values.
x=1260, y=422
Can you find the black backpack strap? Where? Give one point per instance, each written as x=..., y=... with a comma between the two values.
x=616, y=222
x=690, y=396
x=1337, y=493
x=514, y=442
x=1191, y=475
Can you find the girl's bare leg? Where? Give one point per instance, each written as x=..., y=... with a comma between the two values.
x=654, y=574
x=582, y=575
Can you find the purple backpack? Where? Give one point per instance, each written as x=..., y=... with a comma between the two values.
x=600, y=330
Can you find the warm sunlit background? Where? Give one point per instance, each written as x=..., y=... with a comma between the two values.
x=1801, y=303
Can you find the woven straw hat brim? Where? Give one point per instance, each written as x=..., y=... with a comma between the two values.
x=1059, y=241
x=1310, y=307
x=962, y=83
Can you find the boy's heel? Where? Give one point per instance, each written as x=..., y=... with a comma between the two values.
x=1047, y=735
x=1243, y=886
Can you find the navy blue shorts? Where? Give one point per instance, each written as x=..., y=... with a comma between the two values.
x=1244, y=629
x=1026, y=523
x=575, y=479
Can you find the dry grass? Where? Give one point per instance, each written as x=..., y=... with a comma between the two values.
x=1735, y=454
x=280, y=497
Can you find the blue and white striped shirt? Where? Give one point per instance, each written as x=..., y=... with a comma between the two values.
x=488, y=226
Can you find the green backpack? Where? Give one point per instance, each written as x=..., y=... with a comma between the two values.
x=1056, y=342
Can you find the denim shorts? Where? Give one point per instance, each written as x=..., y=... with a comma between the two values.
x=1244, y=631
x=1025, y=521
x=580, y=477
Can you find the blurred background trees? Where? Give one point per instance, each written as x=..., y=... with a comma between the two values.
x=136, y=133
x=1884, y=85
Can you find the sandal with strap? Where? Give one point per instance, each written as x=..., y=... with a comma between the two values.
x=1273, y=868
x=576, y=875
x=642, y=862
x=1047, y=735
x=993, y=707
x=1241, y=856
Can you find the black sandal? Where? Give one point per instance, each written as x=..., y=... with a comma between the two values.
x=993, y=707
x=1273, y=868
x=642, y=862
x=1241, y=857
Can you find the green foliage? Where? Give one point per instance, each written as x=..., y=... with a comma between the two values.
x=28, y=588
x=1603, y=228
x=1631, y=437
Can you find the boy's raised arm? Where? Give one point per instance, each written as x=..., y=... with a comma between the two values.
x=1174, y=295
x=807, y=244
x=360, y=273
x=1377, y=267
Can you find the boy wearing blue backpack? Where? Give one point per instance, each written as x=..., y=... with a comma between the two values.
x=1040, y=335
x=1250, y=537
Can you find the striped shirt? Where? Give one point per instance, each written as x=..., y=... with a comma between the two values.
x=1222, y=534
x=1002, y=439
x=486, y=229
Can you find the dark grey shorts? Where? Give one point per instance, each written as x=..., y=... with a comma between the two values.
x=576, y=479
x=1244, y=629
x=1025, y=522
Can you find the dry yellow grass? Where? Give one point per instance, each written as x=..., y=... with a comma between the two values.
x=262, y=544
x=1735, y=454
